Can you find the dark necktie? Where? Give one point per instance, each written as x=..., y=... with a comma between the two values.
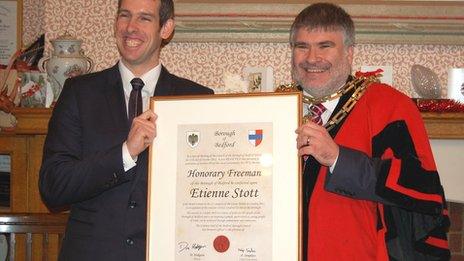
x=135, y=99
x=316, y=110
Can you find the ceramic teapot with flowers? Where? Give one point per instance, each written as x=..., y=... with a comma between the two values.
x=67, y=60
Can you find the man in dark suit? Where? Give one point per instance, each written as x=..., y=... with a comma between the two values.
x=95, y=155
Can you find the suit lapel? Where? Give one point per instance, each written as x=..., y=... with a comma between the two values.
x=114, y=94
x=164, y=85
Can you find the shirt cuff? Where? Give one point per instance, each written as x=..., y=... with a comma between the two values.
x=331, y=168
x=127, y=161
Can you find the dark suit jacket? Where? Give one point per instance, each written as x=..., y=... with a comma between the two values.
x=82, y=167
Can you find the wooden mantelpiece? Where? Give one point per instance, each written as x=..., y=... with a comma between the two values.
x=444, y=125
x=32, y=120
x=438, y=125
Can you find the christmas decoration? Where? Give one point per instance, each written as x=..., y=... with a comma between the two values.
x=439, y=105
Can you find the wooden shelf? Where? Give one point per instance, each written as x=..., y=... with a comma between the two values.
x=444, y=125
x=32, y=120
x=449, y=125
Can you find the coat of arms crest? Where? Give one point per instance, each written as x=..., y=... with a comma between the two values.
x=193, y=138
x=255, y=137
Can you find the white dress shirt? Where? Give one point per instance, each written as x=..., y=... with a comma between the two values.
x=150, y=79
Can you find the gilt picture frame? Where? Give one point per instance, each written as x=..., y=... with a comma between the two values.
x=10, y=28
x=223, y=178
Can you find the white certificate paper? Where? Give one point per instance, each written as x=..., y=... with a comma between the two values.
x=224, y=178
x=224, y=191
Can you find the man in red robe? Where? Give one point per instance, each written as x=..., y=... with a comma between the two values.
x=371, y=188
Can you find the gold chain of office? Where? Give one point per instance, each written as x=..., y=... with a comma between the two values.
x=360, y=84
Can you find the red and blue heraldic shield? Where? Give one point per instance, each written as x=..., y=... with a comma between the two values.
x=255, y=137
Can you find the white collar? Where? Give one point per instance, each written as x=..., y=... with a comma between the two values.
x=150, y=78
x=330, y=105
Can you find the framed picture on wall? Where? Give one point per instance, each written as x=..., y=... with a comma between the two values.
x=10, y=28
x=260, y=79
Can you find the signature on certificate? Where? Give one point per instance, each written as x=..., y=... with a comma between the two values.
x=186, y=246
x=247, y=252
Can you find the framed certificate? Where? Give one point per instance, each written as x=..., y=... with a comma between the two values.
x=224, y=178
x=10, y=28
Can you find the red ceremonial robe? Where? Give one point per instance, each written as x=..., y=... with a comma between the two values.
x=384, y=125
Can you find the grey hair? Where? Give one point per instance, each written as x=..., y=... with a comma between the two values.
x=325, y=16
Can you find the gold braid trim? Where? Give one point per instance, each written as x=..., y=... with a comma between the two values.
x=360, y=84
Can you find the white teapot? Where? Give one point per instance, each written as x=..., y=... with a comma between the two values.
x=67, y=60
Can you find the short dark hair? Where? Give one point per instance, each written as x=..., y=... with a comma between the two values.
x=166, y=10
x=325, y=16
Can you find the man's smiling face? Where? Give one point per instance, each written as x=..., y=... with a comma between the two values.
x=321, y=63
x=139, y=34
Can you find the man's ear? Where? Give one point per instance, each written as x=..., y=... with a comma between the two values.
x=167, y=29
x=350, y=52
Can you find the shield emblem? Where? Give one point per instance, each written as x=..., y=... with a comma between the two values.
x=193, y=138
x=255, y=137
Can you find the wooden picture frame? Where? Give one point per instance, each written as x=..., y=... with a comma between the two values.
x=11, y=24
